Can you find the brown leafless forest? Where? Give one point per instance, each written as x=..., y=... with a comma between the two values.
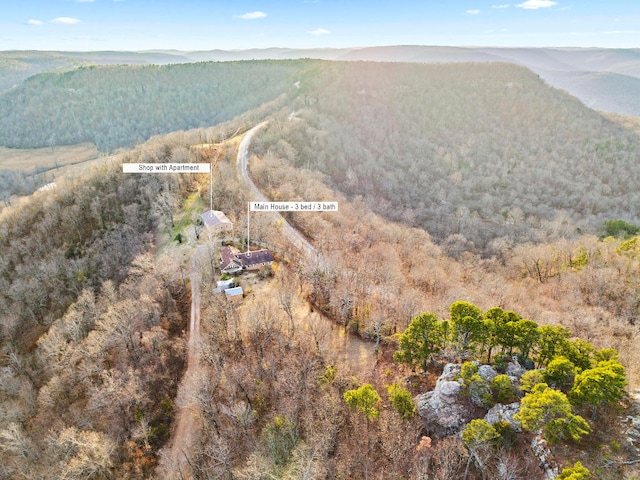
x=468, y=182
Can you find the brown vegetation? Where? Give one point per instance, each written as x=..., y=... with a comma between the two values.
x=91, y=327
x=387, y=273
x=92, y=315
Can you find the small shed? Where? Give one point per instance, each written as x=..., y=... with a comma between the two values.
x=233, y=293
x=224, y=285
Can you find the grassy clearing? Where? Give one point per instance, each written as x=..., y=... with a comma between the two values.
x=191, y=208
x=47, y=158
x=46, y=165
x=42, y=166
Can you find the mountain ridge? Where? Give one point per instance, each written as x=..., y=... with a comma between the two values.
x=552, y=64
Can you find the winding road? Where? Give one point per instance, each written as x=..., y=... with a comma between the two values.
x=243, y=153
x=349, y=352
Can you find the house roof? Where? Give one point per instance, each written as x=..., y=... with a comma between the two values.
x=257, y=257
x=228, y=258
x=212, y=218
x=232, y=259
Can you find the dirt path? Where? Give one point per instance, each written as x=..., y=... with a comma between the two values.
x=174, y=459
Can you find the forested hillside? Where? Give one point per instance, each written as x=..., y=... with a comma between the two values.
x=119, y=106
x=480, y=155
x=91, y=364
x=606, y=91
x=500, y=169
x=90, y=324
x=15, y=67
x=386, y=272
x=374, y=273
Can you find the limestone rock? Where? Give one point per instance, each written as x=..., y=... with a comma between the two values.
x=449, y=391
x=543, y=454
x=451, y=370
x=504, y=413
x=633, y=431
x=514, y=370
x=487, y=372
x=441, y=409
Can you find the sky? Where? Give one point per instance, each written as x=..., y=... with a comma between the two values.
x=89, y=25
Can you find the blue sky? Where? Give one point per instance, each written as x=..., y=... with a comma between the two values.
x=204, y=25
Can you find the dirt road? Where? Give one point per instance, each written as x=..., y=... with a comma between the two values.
x=174, y=459
x=295, y=237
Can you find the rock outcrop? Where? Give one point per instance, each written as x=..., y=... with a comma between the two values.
x=487, y=372
x=441, y=409
x=633, y=421
x=504, y=413
x=543, y=454
x=450, y=405
x=514, y=370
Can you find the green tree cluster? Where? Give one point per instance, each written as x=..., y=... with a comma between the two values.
x=364, y=398
x=420, y=341
x=477, y=434
x=560, y=373
x=549, y=410
x=575, y=374
x=401, y=401
x=619, y=228
x=577, y=472
x=477, y=333
x=502, y=389
x=604, y=384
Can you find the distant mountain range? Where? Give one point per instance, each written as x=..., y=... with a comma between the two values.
x=603, y=79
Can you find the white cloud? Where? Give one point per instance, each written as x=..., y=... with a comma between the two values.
x=251, y=15
x=320, y=31
x=31, y=21
x=536, y=4
x=620, y=32
x=505, y=5
x=66, y=20
x=473, y=12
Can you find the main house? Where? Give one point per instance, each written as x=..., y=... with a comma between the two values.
x=232, y=261
x=216, y=220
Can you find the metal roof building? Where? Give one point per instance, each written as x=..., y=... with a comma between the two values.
x=217, y=220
